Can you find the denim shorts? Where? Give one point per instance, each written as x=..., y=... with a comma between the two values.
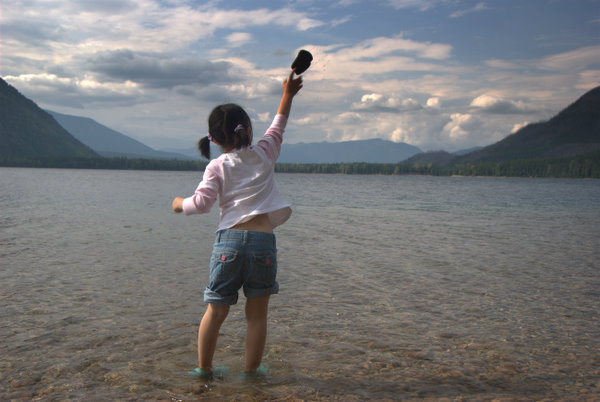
x=242, y=258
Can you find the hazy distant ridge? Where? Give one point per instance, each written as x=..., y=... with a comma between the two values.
x=109, y=142
x=106, y=141
x=371, y=151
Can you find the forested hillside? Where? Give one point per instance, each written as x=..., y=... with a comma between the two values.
x=26, y=131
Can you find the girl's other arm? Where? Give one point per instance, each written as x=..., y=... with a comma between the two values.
x=291, y=86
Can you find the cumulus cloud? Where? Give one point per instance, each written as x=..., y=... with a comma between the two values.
x=459, y=125
x=492, y=104
x=433, y=102
x=380, y=103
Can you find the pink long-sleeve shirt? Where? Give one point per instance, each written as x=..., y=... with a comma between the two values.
x=244, y=182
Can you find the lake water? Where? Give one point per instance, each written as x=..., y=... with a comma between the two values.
x=398, y=287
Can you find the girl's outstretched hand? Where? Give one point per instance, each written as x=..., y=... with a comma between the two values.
x=178, y=205
x=292, y=85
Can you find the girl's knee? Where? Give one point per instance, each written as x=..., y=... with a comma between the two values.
x=217, y=312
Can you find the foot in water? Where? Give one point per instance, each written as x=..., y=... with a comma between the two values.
x=216, y=372
x=261, y=371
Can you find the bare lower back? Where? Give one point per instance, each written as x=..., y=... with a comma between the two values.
x=260, y=223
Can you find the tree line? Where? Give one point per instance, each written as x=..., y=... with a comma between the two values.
x=118, y=163
x=581, y=166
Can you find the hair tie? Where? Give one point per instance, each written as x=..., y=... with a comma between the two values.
x=210, y=138
x=238, y=128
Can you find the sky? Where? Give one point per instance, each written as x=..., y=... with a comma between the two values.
x=438, y=74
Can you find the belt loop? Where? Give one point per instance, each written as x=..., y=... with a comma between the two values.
x=219, y=236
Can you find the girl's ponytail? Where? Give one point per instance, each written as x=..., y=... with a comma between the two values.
x=204, y=147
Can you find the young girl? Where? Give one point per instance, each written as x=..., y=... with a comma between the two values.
x=244, y=252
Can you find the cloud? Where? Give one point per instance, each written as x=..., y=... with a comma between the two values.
x=104, y=6
x=368, y=59
x=573, y=60
x=157, y=70
x=577, y=59
x=459, y=125
x=380, y=46
x=492, y=104
x=518, y=126
x=379, y=103
x=478, y=7
x=422, y=5
x=144, y=25
x=74, y=92
x=340, y=21
x=433, y=102
x=238, y=39
x=503, y=64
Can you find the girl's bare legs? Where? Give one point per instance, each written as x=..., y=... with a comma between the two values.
x=208, y=334
x=256, y=331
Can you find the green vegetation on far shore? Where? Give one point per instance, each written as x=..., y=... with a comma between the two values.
x=580, y=166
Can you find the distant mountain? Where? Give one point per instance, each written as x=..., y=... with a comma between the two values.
x=371, y=151
x=108, y=142
x=26, y=131
x=466, y=151
x=573, y=131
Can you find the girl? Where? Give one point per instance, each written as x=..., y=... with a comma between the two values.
x=244, y=253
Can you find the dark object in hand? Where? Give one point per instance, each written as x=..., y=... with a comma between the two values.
x=302, y=61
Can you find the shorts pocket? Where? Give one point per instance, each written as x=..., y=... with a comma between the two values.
x=223, y=265
x=264, y=270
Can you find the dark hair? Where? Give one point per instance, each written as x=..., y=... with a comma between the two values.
x=222, y=124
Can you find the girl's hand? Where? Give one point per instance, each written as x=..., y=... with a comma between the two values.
x=292, y=85
x=178, y=205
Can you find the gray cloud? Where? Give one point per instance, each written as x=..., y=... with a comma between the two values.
x=158, y=71
x=44, y=88
x=104, y=6
x=35, y=32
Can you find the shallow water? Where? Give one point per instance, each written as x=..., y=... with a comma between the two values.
x=394, y=287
